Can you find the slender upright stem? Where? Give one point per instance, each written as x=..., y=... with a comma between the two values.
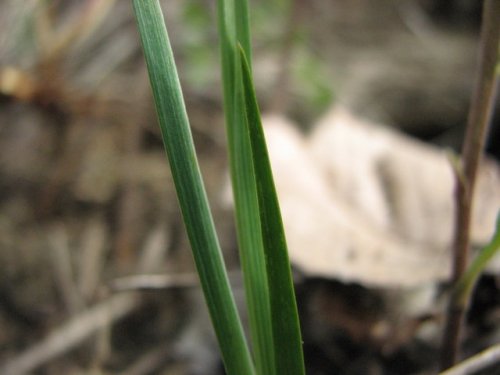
x=477, y=129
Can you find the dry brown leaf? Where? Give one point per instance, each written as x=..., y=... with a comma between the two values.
x=365, y=204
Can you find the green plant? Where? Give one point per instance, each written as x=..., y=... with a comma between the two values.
x=464, y=286
x=270, y=298
x=267, y=276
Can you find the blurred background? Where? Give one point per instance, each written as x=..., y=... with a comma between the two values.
x=96, y=275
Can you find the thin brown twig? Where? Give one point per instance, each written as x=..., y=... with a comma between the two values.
x=477, y=129
x=131, y=206
x=63, y=270
x=93, y=253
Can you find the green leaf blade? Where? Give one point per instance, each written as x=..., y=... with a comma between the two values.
x=192, y=197
x=233, y=26
x=285, y=323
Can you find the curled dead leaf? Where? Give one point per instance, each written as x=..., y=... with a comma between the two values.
x=362, y=203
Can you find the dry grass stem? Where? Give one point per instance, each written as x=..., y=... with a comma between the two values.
x=479, y=362
x=72, y=333
x=155, y=282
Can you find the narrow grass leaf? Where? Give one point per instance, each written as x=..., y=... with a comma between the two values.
x=192, y=197
x=233, y=27
x=466, y=284
x=285, y=322
x=243, y=29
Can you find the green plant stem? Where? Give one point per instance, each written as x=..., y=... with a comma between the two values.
x=189, y=185
x=477, y=125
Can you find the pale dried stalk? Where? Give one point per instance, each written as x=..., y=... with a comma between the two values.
x=71, y=334
x=479, y=362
